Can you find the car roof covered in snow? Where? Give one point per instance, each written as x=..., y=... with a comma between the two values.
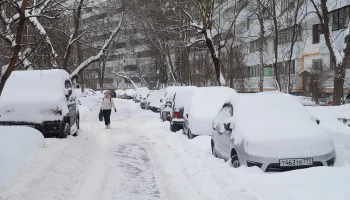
x=183, y=97
x=34, y=92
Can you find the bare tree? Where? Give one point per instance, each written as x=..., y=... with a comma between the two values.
x=338, y=60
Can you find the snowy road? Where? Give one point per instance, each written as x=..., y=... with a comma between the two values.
x=127, y=165
x=140, y=159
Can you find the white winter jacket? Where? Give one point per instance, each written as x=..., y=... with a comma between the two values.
x=107, y=103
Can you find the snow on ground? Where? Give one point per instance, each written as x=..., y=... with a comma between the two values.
x=139, y=158
x=17, y=144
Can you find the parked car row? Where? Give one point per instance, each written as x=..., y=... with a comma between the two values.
x=269, y=130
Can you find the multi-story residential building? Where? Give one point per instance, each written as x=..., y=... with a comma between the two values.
x=126, y=55
x=309, y=54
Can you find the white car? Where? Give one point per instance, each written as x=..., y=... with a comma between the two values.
x=42, y=99
x=153, y=102
x=272, y=131
x=139, y=92
x=202, y=108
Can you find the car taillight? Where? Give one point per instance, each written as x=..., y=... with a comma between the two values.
x=177, y=115
x=330, y=102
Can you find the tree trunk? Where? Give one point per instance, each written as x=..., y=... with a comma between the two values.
x=261, y=55
x=80, y=60
x=17, y=48
x=275, y=47
x=76, y=16
x=215, y=58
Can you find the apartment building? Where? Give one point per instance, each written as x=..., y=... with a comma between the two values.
x=309, y=53
x=126, y=55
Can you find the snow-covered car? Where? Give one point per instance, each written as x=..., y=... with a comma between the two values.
x=143, y=98
x=153, y=102
x=167, y=101
x=202, y=108
x=181, y=98
x=42, y=99
x=272, y=131
x=139, y=92
x=130, y=93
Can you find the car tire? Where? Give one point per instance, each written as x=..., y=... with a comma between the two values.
x=78, y=122
x=190, y=135
x=235, y=161
x=65, y=131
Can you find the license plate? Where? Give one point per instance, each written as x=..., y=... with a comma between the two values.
x=295, y=162
x=158, y=109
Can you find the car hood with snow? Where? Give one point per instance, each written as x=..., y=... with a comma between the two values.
x=40, y=93
x=203, y=107
x=273, y=124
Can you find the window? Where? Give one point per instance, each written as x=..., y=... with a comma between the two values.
x=286, y=35
x=68, y=84
x=268, y=71
x=254, y=71
x=287, y=4
x=254, y=45
x=340, y=18
x=317, y=30
x=317, y=64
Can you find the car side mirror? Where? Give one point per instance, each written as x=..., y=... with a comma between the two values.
x=227, y=126
x=161, y=101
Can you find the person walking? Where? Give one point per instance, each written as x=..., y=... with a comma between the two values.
x=106, y=106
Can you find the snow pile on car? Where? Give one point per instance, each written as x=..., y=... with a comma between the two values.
x=34, y=96
x=155, y=97
x=16, y=145
x=273, y=124
x=183, y=97
x=130, y=92
x=204, y=105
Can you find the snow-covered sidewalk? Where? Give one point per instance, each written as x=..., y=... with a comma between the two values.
x=139, y=158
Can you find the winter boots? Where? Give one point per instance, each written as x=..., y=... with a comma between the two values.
x=108, y=126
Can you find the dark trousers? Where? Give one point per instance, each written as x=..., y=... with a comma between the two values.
x=107, y=116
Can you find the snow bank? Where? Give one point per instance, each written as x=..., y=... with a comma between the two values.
x=39, y=93
x=273, y=124
x=203, y=107
x=16, y=145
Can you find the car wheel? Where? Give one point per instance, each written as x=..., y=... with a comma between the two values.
x=190, y=135
x=235, y=161
x=65, y=132
x=172, y=128
x=213, y=151
x=78, y=122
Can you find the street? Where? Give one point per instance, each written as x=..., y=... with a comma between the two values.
x=139, y=158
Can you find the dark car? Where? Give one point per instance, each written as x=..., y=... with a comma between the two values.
x=45, y=101
x=112, y=93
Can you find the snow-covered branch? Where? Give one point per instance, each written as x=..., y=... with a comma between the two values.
x=95, y=58
x=123, y=75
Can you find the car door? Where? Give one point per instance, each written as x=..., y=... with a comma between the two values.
x=72, y=103
x=223, y=134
